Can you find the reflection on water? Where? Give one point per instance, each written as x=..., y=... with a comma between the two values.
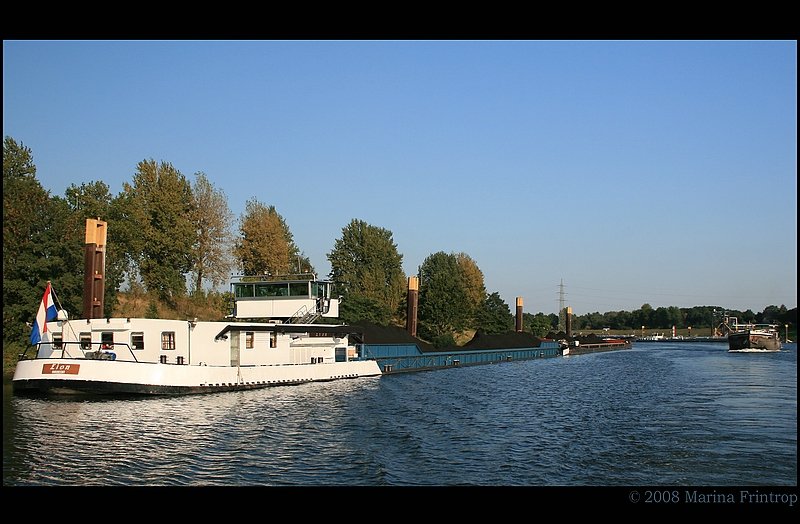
x=189, y=440
x=657, y=414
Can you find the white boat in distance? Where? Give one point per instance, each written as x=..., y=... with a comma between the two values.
x=655, y=337
x=157, y=356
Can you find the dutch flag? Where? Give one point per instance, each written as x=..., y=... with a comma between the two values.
x=47, y=312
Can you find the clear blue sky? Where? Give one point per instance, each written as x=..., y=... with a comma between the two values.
x=659, y=172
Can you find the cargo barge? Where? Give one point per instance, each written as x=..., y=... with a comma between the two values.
x=397, y=351
x=582, y=348
x=273, y=337
x=404, y=358
x=583, y=344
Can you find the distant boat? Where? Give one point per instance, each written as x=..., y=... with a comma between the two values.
x=752, y=338
x=655, y=337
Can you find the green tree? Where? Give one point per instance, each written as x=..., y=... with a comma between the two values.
x=540, y=324
x=91, y=200
x=772, y=315
x=266, y=245
x=442, y=296
x=361, y=308
x=643, y=316
x=28, y=233
x=211, y=255
x=618, y=320
x=66, y=256
x=675, y=317
x=494, y=317
x=160, y=207
x=594, y=321
x=702, y=316
x=471, y=278
x=367, y=272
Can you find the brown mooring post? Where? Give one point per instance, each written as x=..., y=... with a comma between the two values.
x=519, y=314
x=411, y=312
x=569, y=321
x=94, y=261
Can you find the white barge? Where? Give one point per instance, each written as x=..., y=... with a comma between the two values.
x=271, y=338
x=156, y=356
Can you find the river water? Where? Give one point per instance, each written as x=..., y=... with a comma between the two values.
x=659, y=414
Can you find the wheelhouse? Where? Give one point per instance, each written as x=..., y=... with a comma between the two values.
x=300, y=298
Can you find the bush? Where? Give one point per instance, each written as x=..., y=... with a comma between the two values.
x=444, y=341
x=11, y=352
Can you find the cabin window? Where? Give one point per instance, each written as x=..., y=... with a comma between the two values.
x=319, y=289
x=106, y=340
x=167, y=340
x=272, y=289
x=248, y=340
x=137, y=340
x=268, y=290
x=86, y=340
x=58, y=341
x=243, y=290
x=298, y=289
x=273, y=340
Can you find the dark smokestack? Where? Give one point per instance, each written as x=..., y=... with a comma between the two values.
x=519, y=314
x=411, y=312
x=94, y=268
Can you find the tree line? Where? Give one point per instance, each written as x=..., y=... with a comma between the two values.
x=701, y=317
x=174, y=236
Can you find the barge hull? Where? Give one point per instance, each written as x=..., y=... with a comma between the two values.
x=400, y=358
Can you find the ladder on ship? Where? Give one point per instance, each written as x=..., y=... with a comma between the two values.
x=304, y=316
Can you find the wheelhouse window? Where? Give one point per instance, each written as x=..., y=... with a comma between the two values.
x=268, y=290
x=248, y=339
x=137, y=340
x=86, y=340
x=320, y=289
x=167, y=340
x=273, y=340
x=106, y=340
x=298, y=289
x=243, y=290
x=58, y=341
x=272, y=289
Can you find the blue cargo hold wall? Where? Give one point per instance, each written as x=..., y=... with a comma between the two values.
x=397, y=358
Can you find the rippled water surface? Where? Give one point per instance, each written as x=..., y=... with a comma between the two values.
x=658, y=414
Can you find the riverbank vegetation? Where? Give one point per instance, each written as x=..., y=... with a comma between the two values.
x=173, y=240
